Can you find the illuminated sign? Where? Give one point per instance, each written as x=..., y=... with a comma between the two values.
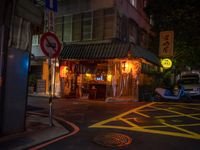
x=166, y=63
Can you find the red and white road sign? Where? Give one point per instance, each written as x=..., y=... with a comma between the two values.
x=50, y=44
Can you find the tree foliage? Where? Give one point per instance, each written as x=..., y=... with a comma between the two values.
x=182, y=17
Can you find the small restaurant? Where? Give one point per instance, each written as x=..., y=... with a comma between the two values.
x=103, y=71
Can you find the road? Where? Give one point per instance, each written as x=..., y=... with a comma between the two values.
x=151, y=126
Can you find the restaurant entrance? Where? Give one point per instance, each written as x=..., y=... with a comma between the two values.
x=100, y=80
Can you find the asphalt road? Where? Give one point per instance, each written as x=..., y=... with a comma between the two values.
x=151, y=126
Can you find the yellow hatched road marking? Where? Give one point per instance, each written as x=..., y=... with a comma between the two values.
x=170, y=116
x=181, y=129
x=144, y=110
x=188, y=125
x=123, y=114
x=130, y=123
x=135, y=127
x=189, y=107
x=151, y=131
x=172, y=103
x=139, y=113
x=180, y=125
x=159, y=126
x=172, y=111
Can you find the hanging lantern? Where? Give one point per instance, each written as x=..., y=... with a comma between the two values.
x=64, y=71
x=126, y=67
x=109, y=77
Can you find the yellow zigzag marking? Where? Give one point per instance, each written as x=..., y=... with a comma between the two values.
x=134, y=127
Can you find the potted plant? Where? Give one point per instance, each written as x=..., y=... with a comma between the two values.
x=32, y=83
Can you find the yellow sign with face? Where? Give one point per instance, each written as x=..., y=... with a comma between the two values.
x=166, y=63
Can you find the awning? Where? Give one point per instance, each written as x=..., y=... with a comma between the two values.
x=109, y=50
x=140, y=52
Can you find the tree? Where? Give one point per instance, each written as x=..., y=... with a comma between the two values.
x=182, y=17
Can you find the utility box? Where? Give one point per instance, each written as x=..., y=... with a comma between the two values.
x=14, y=104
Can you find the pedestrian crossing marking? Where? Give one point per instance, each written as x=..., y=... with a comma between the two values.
x=179, y=128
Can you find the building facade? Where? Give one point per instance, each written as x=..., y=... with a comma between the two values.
x=105, y=49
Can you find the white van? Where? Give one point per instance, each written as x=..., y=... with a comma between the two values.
x=190, y=80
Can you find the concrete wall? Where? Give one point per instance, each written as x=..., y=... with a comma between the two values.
x=78, y=6
x=124, y=7
x=99, y=4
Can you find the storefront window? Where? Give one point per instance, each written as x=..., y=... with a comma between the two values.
x=104, y=79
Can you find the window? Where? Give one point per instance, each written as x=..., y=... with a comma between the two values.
x=109, y=21
x=87, y=26
x=35, y=40
x=144, y=39
x=133, y=32
x=76, y=27
x=67, y=37
x=58, y=27
x=98, y=25
x=133, y=2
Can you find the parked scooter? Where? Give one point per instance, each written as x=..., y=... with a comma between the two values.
x=162, y=94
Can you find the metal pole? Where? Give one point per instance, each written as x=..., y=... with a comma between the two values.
x=54, y=85
x=50, y=93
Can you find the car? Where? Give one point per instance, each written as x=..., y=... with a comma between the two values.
x=191, y=83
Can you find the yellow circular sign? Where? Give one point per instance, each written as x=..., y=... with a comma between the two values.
x=166, y=63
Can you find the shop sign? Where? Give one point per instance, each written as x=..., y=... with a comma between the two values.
x=166, y=63
x=51, y=21
x=166, y=44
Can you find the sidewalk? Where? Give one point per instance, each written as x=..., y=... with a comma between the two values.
x=37, y=131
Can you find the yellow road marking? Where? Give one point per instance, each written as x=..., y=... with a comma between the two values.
x=139, y=113
x=172, y=103
x=159, y=126
x=172, y=111
x=181, y=129
x=123, y=114
x=135, y=127
x=171, y=116
x=144, y=110
x=189, y=108
x=130, y=123
x=188, y=125
x=151, y=131
x=180, y=125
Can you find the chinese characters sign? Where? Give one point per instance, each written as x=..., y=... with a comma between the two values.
x=166, y=43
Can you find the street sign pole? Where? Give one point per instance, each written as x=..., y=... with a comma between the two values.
x=50, y=83
x=50, y=92
x=51, y=7
x=51, y=47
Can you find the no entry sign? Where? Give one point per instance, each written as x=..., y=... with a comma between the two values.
x=50, y=44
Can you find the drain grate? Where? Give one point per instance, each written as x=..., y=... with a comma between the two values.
x=113, y=139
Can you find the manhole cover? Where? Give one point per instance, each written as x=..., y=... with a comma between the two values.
x=113, y=140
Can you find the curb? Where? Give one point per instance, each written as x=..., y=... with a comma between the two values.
x=70, y=126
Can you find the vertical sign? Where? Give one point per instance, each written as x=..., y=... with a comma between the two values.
x=51, y=8
x=166, y=44
x=52, y=5
x=51, y=21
